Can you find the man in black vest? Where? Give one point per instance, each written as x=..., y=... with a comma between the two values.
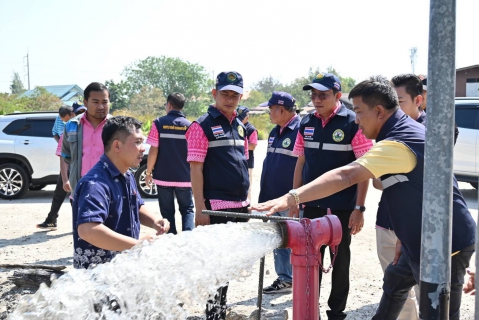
x=167, y=166
x=218, y=153
x=278, y=173
x=398, y=159
x=252, y=135
x=327, y=139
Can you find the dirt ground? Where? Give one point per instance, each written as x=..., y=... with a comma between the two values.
x=21, y=242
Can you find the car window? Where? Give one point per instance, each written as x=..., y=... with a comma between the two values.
x=466, y=117
x=18, y=128
x=41, y=127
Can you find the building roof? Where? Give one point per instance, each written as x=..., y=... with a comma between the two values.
x=466, y=68
x=64, y=92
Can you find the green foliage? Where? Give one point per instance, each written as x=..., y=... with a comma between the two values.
x=148, y=101
x=262, y=123
x=40, y=100
x=255, y=98
x=120, y=94
x=171, y=75
x=17, y=85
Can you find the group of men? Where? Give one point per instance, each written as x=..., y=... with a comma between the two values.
x=313, y=165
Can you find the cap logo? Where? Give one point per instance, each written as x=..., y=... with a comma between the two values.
x=320, y=76
x=280, y=102
x=231, y=77
x=338, y=135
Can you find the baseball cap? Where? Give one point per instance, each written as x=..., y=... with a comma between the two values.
x=424, y=84
x=242, y=112
x=229, y=80
x=77, y=107
x=280, y=98
x=324, y=82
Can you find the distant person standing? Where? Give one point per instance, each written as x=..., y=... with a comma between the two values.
x=278, y=173
x=65, y=114
x=252, y=135
x=82, y=146
x=217, y=153
x=167, y=166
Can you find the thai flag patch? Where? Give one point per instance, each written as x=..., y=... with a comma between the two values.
x=336, y=86
x=270, y=141
x=218, y=131
x=309, y=131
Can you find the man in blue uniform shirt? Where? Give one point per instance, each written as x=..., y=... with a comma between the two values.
x=107, y=208
x=278, y=173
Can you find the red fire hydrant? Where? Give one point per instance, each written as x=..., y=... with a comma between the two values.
x=305, y=238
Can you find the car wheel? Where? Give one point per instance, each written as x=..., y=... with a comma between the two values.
x=474, y=184
x=14, y=181
x=145, y=190
x=36, y=187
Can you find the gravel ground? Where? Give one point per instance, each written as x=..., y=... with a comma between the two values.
x=21, y=242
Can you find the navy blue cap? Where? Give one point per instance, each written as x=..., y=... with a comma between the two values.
x=78, y=107
x=324, y=82
x=230, y=80
x=424, y=84
x=242, y=112
x=280, y=98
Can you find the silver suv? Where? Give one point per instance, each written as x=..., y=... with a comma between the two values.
x=27, y=155
x=466, y=151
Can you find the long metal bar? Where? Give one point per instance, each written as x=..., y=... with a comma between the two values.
x=259, y=304
x=247, y=215
x=435, y=268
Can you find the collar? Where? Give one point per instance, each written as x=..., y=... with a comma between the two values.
x=292, y=123
x=83, y=118
x=339, y=110
x=216, y=113
x=176, y=112
x=393, y=119
x=114, y=172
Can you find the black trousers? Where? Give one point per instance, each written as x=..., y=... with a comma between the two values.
x=340, y=272
x=216, y=306
x=58, y=197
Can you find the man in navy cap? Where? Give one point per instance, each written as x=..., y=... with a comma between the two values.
x=327, y=139
x=218, y=153
x=278, y=173
x=252, y=135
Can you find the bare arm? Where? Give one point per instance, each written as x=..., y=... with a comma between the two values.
x=298, y=172
x=150, y=219
x=103, y=237
x=323, y=186
x=64, y=173
x=150, y=164
x=377, y=184
x=197, y=183
x=251, y=146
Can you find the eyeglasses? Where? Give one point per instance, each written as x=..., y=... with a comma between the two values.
x=320, y=96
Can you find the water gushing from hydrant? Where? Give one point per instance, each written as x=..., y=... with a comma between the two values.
x=169, y=278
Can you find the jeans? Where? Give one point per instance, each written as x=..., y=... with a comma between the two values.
x=184, y=197
x=400, y=278
x=58, y=197
x=282, y=258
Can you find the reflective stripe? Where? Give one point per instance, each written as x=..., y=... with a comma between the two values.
x=285, y=152
x=337, y=147
x=313, y=145
x=172, y=136
x=270, y=149
x=225, y=143
x=392, y=180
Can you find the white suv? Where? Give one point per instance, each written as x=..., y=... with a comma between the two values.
x=27, y=155
x=466, y=151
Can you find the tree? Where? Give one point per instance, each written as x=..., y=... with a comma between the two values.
x=267, y=86
x=171, y=75
x=17, y=86
x=148, y=101
x=255, y=98
x=42, y=100
x=120, y=94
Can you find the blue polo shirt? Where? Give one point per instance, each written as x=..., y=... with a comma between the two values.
x=106, y=196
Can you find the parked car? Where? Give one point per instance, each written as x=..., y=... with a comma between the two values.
x=27, y=155
x=466, y=151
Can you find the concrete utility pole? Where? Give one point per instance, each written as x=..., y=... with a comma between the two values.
x=413, y=56
x=28, y=71
x=435, y=271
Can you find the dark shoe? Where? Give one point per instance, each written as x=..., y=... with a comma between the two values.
x=278, y=286
x=48, y=225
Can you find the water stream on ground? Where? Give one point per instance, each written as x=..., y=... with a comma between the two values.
x=169, y=278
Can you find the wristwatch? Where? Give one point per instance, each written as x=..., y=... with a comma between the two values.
x=360, y=208
x=149, y=173
x=294, y=193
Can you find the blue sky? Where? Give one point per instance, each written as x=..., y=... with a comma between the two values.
x=77, y=42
